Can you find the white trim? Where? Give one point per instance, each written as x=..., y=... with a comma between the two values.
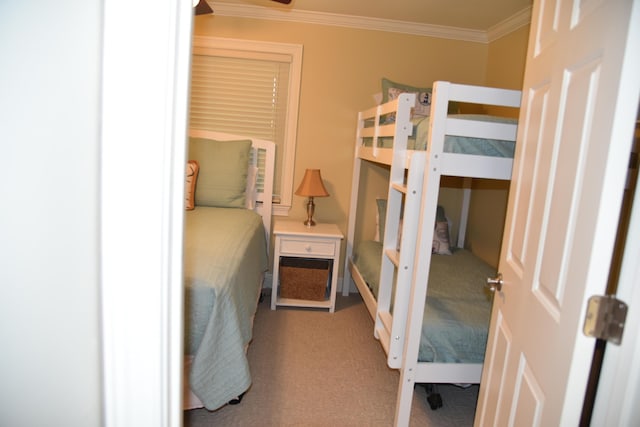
x=509, y=25
x=281, y=210
x=618, y=387
x=376, y=24
x=144, y=119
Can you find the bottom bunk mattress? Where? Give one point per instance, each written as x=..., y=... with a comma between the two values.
x=457, y=309
x=225, y=259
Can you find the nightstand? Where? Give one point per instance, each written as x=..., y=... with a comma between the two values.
x=294, y=240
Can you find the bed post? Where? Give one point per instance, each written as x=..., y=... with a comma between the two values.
x=353, y=206
x=464, y=211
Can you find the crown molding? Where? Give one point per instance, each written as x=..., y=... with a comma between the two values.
x=509, y=25
x=348, y=21
x=497, y=31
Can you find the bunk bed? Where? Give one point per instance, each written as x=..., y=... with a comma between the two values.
x=409, y=303
x=228, y=190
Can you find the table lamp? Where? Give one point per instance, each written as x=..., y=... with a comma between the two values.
x=311, y=186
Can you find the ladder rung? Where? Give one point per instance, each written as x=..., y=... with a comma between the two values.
x=387, y=320
x=384, y=339
x=399, y=187
x=393, y=255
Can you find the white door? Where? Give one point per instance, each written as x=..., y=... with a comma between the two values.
x=580, y=97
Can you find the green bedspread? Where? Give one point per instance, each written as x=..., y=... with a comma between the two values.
x=225, y=258
x=458, y=309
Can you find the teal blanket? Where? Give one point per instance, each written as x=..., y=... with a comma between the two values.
x=225, y=258
x=457, y=310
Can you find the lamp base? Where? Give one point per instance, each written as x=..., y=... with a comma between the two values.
x=309, y=222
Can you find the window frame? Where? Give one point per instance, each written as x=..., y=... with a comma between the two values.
x=252, y=49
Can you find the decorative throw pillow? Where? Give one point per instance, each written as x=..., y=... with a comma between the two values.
x=441, y=244
x=391, y=90
x=423, y=97
x=222, y=180
x=190, y=184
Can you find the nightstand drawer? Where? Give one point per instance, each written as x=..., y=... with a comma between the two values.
x=306, y=247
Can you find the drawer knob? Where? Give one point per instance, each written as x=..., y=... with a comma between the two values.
x=308, y=248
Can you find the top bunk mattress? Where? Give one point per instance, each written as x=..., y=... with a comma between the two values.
x=453, y=143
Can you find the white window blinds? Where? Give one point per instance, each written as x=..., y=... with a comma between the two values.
x=242, y=96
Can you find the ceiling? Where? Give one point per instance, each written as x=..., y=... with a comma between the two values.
x=479, y=15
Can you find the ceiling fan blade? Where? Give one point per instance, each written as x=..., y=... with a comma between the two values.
x=203, y=8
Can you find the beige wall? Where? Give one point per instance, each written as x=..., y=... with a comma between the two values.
x=505, y=68
x=342, y=69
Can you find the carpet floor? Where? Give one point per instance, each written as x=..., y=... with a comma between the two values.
x=313, y=368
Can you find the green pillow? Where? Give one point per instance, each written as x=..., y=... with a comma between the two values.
x=222, y=179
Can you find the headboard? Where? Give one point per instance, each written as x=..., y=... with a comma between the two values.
x=263, y=155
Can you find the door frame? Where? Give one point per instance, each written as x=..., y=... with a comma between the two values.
x=145, y=81
x=618, y=389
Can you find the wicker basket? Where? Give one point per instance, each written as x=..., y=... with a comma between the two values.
x=302, y=278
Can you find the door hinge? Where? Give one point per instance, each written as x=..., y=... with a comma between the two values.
x=605, y=318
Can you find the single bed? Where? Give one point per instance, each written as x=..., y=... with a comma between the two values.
x=427, y=328
x=227, y=225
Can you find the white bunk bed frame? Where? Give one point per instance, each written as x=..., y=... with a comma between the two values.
x=399, y=333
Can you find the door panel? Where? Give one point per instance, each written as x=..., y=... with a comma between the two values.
x=528, y=399
x=565, y=195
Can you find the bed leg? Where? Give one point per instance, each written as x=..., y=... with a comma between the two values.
x=433, y=397
x=237, y=399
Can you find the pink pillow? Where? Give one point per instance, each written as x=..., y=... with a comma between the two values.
x=190, y=184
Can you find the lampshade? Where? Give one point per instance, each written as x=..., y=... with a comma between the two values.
x=311, y=185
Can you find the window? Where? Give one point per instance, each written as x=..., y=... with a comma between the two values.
x=250, y=88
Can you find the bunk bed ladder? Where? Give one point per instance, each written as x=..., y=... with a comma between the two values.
x=399, y=240
x=424, y=244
